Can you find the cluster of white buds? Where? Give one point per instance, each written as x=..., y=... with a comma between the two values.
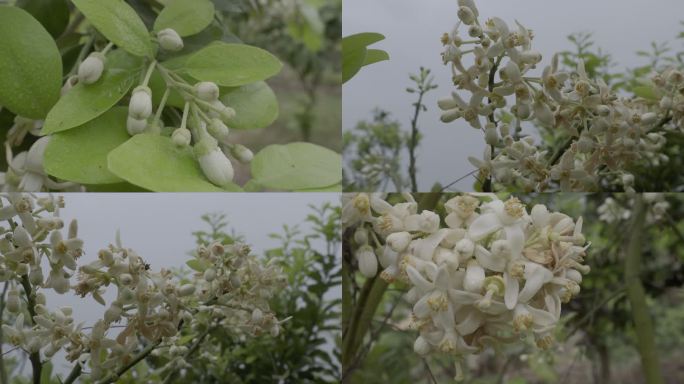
x=231, y=290
x=602, y=131
x=494, y=274
x=619, y=208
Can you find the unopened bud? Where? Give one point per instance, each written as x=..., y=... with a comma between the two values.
x=181, y=137
x=214, y=163
x=140, y=106
x=207, y=91
x=218, y=129
x=170, y=40
x=242, y=153
x=90, y=70
x=135, y=126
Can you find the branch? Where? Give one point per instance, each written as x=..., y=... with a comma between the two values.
x=3, y=373
x=190, y=351
x=637, y=298
x=142, y=355
x=36, y=365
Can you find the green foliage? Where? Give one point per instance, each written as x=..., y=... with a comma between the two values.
x=84, y=103
x=119, y=23
x=52, y=14
x=255, y=105
x=155, y=163
x=232, y=65
x=355, y=53
x=373, y=154
x=304, y=352
x=30, y=74
x=186, y=17
x=296, y=166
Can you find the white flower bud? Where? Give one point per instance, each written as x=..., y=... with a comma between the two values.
x=135, y=126
x=421, y=346
x=170, y=40
x=466, y=15
x=666, y=102
x=465, y=248
x=399, y=241
x=218, y=129
x=275, y=330
x=214, y=163
x=22, y=238
x=22, y=269
x=36, y=276
x=90, y=70
x=257, y=316
x=221, y=111
x=181, y=137
x=649, y=118
x=210, y=274
x=40, y=298
x=207, y=91
x=491, y=135
x=368, y=263
x=603, y=110
x=186, y=290
x=140, y=106
x=451, y=115
x=125, y=279
x=13, y=301
x=361, y=236
x=242, y=153
x=530, y=57
x=628, y=180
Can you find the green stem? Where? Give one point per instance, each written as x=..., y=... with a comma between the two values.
x=138, y=358
x=637, y=298
x=150, y=69
x=34, y=357
x=414, y=142
x=3, y=373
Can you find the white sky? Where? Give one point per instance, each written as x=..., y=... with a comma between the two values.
x=413, y=28
x=159, y=226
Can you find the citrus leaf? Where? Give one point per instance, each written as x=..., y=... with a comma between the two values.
x=374, y=56
x=155, y=163
x=186, y=17
x=85, y=102
x=30, y=73
x=53, y=14
x=354, y=52
x=119, y=23
x=296, y=166
x=232, y=65
x=255, y=105
x=646, y=92
x=80, y=154
x=198, y=265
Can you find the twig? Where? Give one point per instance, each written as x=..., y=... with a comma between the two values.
x=431, y=375
x=459, y=179
x=36, y=364
x=142, y=355
x=3, y=373
x=190, y=351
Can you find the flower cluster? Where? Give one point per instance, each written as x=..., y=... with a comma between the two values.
x=619, y=208
x=203, y=124
x=494, y=273
x=603, y=134
x=230, y=290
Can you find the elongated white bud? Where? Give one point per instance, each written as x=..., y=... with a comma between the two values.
x=186, y=290
x=90, y=70
x=13, y=302
x=218, y=129
x=214, y=163
x=207, y=91
x=368, y=263
x=399, y=241
x=466, y=15
x=140, y=106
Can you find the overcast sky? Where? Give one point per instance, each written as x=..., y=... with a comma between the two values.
x=159, y=227
x=413, y=28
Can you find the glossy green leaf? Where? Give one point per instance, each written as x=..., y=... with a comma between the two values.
x=119, y=23
x=80, y=154
x=186, y=17
x=85, y=102
x=232, y=65
x=198, y=265
x=375, y=56
x=30, y=65
x=53, y=14
x=296, y=166
x=256, y=106
x=354, y=52
x=155, y=163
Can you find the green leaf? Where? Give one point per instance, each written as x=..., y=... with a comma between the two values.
x=256, y=106
x=53, y=14
x=645, y=92
x=30, y=65
x=85, y=102
x=232, y=65
x=354, y=52
x=296, y=166
x=80, y=154
x=198, y=265
x=374, y=56
x=307, y=27
x=155, y=163
x=186, y=17
x=331, y=188
x=119, y=23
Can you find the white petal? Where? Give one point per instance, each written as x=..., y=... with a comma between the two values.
x=511, y=291
x=483, y=226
